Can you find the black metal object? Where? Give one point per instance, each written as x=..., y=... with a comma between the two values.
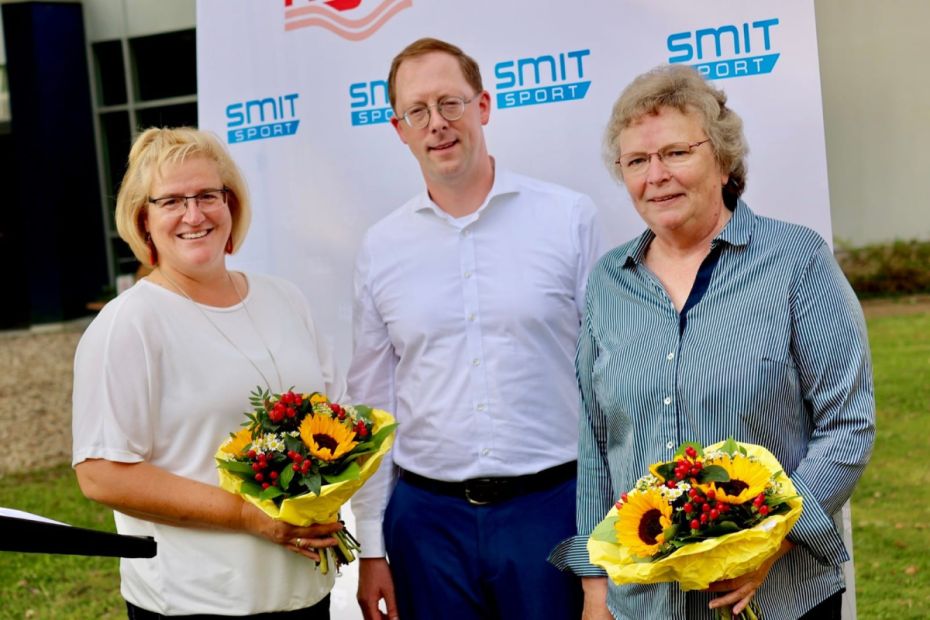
x=29, y=536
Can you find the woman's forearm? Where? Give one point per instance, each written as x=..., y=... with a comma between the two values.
x=148, y=492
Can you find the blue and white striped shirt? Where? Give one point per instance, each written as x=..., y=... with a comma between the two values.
x=773, y=353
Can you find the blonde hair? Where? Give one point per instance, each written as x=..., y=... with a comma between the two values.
x=153, y=150
x=682, y=88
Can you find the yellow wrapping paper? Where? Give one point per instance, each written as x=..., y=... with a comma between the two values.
x=309, y=508
x=697, y=565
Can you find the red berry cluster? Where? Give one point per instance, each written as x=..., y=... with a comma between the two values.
x=759, y=504
x=686, y=468
x=703, y=509
x=361, y=429
x=286, y=407
x=260, y=465
x=299, y=464
x=338, y=411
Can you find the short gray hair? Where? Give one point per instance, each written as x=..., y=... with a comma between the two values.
x=682, y=88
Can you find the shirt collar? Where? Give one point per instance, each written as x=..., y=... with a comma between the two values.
x=504, y=183
x=737, y=232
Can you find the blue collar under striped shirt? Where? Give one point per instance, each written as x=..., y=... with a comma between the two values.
x=771, y=349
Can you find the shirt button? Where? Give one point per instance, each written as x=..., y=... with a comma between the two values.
x=467, y=274
x=466, y=232
x=476, y=362
x=480, y=407
x=471, y=316
x=485, y=452
x=670, y=356
x=667, y=400
x=670, y=445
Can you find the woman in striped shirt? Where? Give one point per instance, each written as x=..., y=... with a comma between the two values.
x=716, y=322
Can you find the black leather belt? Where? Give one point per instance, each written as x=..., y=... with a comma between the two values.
x=481, y=491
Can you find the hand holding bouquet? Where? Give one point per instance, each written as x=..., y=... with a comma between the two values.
x=300, y=458
x=708, y=515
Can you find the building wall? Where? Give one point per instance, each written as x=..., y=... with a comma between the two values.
x=112, y=19
x=876, y=97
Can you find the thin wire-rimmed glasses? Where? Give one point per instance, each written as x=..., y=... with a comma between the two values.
x=450, y=108
x=207, y=199
x=672, y=155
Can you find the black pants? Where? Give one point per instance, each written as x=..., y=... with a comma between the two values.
x=320, y=611
x=830, y=609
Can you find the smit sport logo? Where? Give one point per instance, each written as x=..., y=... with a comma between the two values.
x=345, y=18
x=257, y=119
x=370, y=104
x=739, y=58
x=543, y=79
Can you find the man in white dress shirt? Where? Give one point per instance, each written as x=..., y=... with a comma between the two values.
x=468, y=301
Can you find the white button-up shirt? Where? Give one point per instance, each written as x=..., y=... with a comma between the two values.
x=465, y=328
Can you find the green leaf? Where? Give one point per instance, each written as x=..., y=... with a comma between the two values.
x=605, y=530
x=237, y=467
x=720, y=528
x=732, y=447
x=250, y=488
x=287, y=474
x=312, y=481
x=775, y=500
x=667, y=470
x=270, y=493
x=363, y=411
x=258, y=397
x=378, y=438
x=360, y=450
x=351, y=472
x=713, y=473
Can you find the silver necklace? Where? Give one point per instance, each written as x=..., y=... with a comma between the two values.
x=227, y=338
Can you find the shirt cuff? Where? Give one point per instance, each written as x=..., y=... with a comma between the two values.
x=572, y=555
x=815, y=529
x=370, y=537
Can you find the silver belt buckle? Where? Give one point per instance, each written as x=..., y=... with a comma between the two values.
x=473, y=501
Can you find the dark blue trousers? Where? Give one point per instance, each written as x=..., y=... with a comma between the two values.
x=455, y=561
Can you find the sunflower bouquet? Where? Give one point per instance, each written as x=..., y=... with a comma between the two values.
x=301, y=457
x=709, y=514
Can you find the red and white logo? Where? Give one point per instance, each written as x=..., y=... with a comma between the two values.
x=354, y=20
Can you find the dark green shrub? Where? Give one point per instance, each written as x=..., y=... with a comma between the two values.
x=887, y=269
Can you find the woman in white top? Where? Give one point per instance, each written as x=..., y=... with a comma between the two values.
x=163, y=375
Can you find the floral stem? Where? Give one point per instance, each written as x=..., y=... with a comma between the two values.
x=346, y=545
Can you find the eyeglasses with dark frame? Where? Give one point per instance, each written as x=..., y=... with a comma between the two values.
x=450, y=108
x=672, y=155
x=207, y=199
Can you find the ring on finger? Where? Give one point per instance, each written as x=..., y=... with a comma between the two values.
x=299, y=543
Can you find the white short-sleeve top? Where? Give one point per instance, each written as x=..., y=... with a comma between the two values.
x=156, y=381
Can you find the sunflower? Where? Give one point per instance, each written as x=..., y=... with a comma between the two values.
x=641, y=521
x=326, y=438
x=654, y=470
x=237, y=442
x=316, y=398
x=748, y=478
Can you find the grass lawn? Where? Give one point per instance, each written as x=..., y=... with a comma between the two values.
x=891, y=516
x=57, y=587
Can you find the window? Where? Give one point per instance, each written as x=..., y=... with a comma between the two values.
x=161, y=91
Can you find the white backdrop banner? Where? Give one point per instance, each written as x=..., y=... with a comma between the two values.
x=297, y=88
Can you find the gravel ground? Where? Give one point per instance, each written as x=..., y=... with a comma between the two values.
x=35, y=386
x=35, y=396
